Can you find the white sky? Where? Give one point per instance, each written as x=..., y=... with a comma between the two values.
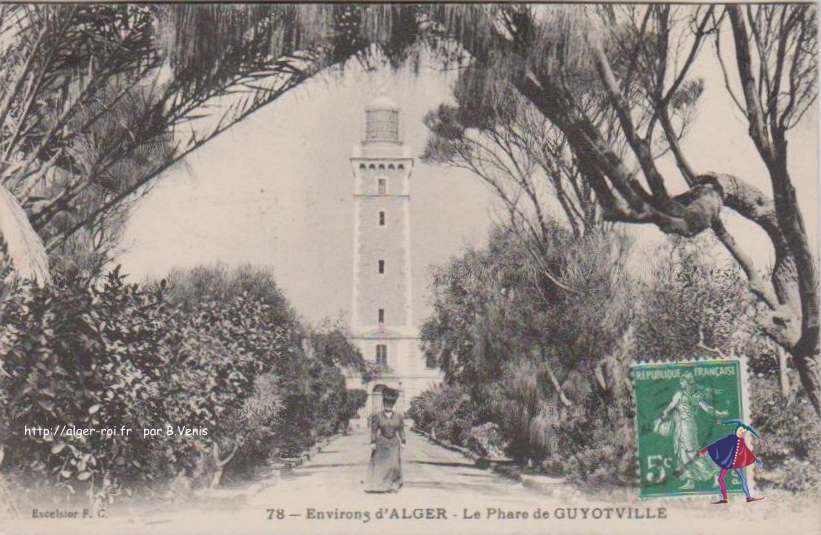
x=276, y=190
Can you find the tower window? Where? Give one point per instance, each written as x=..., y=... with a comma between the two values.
x=382, y=218
x=382, y=186
x=382, y=354
x=381, y=267
x=381, y=315
x=430, y=361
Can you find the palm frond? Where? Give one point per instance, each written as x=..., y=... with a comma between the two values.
x=24, y=247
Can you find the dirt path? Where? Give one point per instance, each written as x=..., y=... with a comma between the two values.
x=443, y=493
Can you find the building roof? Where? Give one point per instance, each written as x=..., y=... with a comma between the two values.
x=382, y=102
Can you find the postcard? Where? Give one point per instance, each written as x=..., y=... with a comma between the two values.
x=409, y=268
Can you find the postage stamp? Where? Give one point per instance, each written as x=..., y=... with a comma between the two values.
x=679, y=406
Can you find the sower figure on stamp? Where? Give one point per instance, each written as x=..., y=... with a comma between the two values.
x=680, y=414
x=731, y=452
x=387, y=437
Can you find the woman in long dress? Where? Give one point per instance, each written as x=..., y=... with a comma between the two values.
x=387, y=438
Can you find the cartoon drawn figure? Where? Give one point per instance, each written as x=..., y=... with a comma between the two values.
x=683, y=408
x=731, y=452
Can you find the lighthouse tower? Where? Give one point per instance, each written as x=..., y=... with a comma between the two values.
x=382, y=309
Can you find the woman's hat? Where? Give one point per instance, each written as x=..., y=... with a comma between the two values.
x=390, y=395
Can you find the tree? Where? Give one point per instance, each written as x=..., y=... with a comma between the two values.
x=520, y=344
x=775, y=100
x=96, y=101
x=547, y=52
x=522, y=158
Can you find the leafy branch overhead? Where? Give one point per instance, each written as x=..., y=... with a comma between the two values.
x=635, y=62
x=97, y=101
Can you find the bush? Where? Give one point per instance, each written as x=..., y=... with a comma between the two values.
x=259, y=417
x=524, y=337
x=446, y=411
x=74, y=355
x=595, y=446
x=790, y=444
x=235, y=368
x=421, y=411
x=487, y=440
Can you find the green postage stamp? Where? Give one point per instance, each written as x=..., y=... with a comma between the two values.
x=678, y=405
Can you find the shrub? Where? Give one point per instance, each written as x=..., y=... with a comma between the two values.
x=420, y=410
x=74, y=355
x=487, y=440
x=235, y=367
x=790, y=444
x=259, y=418
x=446, y=411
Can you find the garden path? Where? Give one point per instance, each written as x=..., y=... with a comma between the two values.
x=438, y=482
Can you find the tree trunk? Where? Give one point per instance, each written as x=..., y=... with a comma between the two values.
x=805, y=352
x=805, y=359
x=771, y=143
x=216, y=478
x=783, y=374
x=219, y=464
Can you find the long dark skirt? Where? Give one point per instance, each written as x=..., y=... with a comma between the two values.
x=385, y=468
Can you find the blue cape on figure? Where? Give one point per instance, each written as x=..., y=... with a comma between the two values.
x=732, y=451
x=722, y=451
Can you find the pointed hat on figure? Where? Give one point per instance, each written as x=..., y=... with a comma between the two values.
x=740, y=423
